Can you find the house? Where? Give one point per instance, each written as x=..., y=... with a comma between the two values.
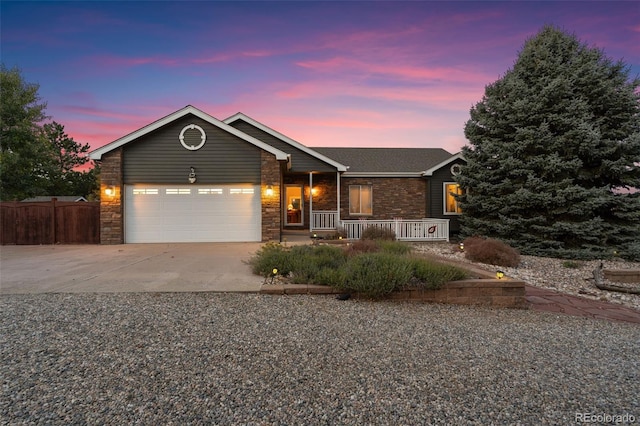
x=189, y=177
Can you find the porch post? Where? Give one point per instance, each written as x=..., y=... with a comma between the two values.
x=338, y=200
x=310, y=201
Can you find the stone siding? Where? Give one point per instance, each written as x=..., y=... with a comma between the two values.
x=271, y=212
x=111, y=211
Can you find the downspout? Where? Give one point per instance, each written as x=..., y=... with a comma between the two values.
x=311, y=202
x=338, y=200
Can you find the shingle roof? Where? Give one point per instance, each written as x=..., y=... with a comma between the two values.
x=386, y=160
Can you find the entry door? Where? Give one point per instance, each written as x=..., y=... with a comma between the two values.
x=295, y=205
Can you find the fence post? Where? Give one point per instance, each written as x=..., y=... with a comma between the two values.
x=54, y=222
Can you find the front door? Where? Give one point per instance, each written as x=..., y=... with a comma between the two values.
x=293, y=197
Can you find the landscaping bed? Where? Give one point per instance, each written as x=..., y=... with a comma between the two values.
x=380, y=270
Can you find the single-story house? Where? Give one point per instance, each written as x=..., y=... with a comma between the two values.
x=189, y=177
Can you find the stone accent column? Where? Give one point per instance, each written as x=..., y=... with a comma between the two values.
x=111, y=209
x=271, y=206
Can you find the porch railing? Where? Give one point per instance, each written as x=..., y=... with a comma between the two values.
x=324, y=220
x=405, y=230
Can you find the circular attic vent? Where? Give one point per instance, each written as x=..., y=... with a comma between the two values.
x=192, y=137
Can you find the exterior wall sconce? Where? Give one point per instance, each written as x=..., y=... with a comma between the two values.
x=499, y=275
x=110, y=191
x=461, y=246
x=314, y=191
x=192, y=175
x=269, y=191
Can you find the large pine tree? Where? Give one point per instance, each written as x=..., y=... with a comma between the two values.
x=554, y=153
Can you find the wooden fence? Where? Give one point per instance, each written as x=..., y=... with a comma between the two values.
x=49, y=222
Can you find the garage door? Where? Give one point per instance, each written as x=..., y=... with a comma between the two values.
x=192, y=213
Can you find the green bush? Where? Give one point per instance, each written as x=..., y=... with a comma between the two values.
x=307, y=262
x=363, y=246
x=376, y=274
x=571, y=264
x=376, y=233
x=269, y=256
x=394, y=247
x=434, y=275
x=372, y=274
x=490, y=251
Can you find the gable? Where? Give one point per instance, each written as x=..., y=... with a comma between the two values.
x=97, y=154
x=303, y=158
x=160, y=157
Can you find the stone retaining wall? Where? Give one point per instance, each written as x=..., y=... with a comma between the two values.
x=503, y=293
x=622, y=275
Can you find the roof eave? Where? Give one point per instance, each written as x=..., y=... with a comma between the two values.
x=240, y=116
x=429, y=172
x=383, y=174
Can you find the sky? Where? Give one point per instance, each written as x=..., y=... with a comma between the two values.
x=348, y=74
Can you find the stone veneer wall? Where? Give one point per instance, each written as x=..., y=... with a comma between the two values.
x=392, y=197
x=271, y=214
x=111, y=212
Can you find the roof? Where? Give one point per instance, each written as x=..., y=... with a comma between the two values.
x=311, y=151
x=387, y=162
x=73, y=198
x=189, y=109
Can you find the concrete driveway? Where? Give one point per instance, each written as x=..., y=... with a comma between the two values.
x=216, y=267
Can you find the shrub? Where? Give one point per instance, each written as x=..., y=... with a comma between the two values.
x=491, y=251
x=269, y=256
x=394, y=247
x=362, y=246
x=434, y=275
x=307, y=262
x=376, y=233
x=376, y=274
x=571, y=264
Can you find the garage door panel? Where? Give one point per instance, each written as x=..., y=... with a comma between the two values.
x=172, y=213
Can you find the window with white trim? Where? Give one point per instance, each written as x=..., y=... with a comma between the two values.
x=451, y=189
x=360, y=200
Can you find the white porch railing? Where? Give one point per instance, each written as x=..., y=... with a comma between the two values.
x=324, y=220
x=405, y=230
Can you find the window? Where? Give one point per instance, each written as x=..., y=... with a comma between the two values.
x=209, y=191
x=145, y=191
x=360, y=200
x=450, y=203
x=241, y=191
x=178, y=191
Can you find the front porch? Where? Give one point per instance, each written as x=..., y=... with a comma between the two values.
x=404, y=229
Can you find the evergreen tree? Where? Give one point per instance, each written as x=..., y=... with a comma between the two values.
x=35, y=158
x=554, y=149
x=23, y=153
x=66, y=156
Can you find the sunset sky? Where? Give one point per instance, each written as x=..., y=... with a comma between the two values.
x=379, y=74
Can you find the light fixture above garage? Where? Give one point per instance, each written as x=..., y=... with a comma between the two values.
x=269, y=191
x=192, y=175
x=110, y=191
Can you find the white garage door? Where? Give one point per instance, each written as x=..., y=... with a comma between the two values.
x=192, y=213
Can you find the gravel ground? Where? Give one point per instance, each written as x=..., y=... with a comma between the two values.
x=553, y=274
x=212, y=358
